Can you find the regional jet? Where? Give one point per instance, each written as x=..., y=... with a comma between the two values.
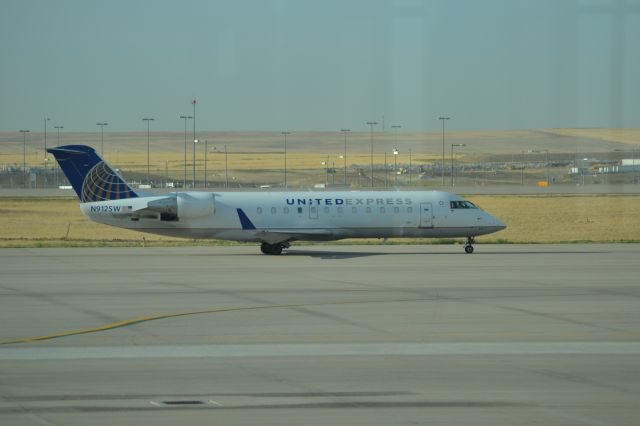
x=274, y=219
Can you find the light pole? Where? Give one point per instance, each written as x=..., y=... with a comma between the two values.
x=45, y=141
x=344, y=155
x=386, y=171
x=326, y=172
x=102, y=137
x=24, y=157
x=548, y=177
x=58, y=129
x=185, y=118
x=148, y=120
x=395, y=153
x=395, y=166
x=46, y=158
x=226, y=168
x=285, y=157
x=410, y=177
x=193, y=180
x=57, y=168
x=195, y=141
x=522, y=170
x=371, y=124
x=443, y=120
x=205, y=162
x=333, y=174
x=454, y=145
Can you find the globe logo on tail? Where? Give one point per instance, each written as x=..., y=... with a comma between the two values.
x=102, y=183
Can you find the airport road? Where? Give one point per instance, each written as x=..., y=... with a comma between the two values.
x=375, y=335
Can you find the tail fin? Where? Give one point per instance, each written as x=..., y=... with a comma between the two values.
x=91, y=177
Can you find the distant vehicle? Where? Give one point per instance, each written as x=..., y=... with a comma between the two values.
x=274, y=219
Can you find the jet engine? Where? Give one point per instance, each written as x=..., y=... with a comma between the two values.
x=194, y=205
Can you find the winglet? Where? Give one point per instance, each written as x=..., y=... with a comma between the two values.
x=244, y=220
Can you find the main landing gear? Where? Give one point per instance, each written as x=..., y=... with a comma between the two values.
x=273, y=249
x=468, y=247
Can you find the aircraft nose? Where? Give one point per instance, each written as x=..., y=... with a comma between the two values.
x=498, y=223
x=494, y=222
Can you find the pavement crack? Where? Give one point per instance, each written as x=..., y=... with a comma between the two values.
x=558, y=318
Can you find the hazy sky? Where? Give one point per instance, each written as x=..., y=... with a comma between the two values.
x=319, y=65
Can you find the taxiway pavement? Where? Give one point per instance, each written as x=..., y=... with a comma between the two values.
x=326, y=334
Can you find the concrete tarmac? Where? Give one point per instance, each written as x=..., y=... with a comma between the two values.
x=375, y=335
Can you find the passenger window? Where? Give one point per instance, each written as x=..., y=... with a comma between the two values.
x=382, y=210
x=326, y=210
x=286, y=210
x=396, y=210
x=259, y=210
x=368, y=210
x=299, y=209
x=340, y=210
x=273, y=210
x=312, y=209
x=409, y=209
x=354, y=210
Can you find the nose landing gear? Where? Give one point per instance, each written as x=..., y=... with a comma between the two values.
x=468, y=247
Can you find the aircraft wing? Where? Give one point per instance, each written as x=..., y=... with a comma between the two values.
x=280, y=235
x=273, y=236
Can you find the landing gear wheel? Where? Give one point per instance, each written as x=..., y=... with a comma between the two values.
x=274, y=249
x=468, y=247
x=265, y=248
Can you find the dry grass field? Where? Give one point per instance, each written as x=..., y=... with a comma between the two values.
x=31, y=222
x=256, y=158
x=541, y=219
x=306, y=150
x=626, y=136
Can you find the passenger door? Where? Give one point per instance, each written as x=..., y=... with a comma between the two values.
x=426, y=215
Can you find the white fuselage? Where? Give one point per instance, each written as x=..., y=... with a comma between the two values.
x=275, y=217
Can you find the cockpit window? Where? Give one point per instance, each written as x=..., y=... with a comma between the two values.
x=462, y=205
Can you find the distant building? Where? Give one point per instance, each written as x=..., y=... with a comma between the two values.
x=630, y=162
x=579, y=171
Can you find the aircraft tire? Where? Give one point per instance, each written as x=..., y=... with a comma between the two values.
x=273, y=249
x=468, y=249
x=265, y=248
